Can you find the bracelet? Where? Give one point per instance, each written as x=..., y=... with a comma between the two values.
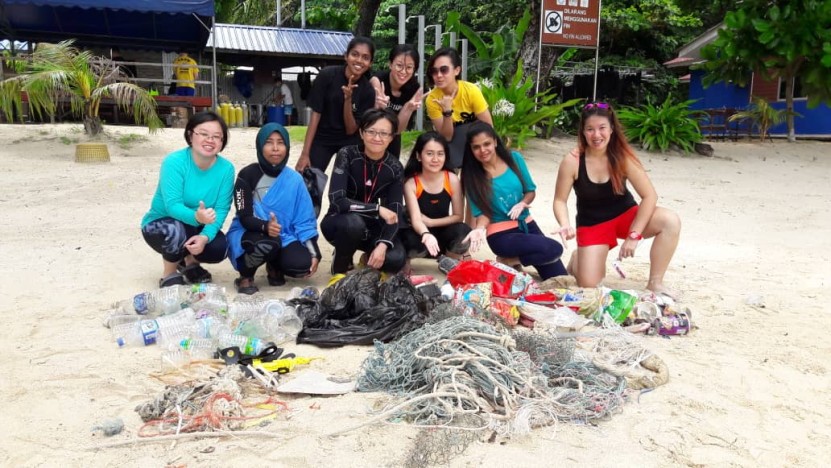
x=447, y=113
x=423, y=233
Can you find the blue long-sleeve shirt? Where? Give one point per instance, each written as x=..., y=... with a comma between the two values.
x=182, y=185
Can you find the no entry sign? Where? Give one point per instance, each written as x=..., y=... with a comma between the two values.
x=570, y=23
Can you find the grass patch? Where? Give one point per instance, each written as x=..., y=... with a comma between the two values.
x=69, y=141
x=126, y=141
x=297, y=132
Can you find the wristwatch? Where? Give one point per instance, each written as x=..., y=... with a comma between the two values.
x=635, y=235
x=447, y=113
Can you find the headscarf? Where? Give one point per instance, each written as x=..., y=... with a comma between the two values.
x=262, y=136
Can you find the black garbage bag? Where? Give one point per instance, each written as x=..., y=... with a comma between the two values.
x=359, y=309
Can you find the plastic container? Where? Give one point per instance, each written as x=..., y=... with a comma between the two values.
x=146, y=332
x=447, y=291
x=276, y=321
x=618, y=305
x=247, y=345
x=309, y=292
x=276, y=114
x=165, y=300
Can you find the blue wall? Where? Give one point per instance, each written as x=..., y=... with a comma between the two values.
x=816, y=121
x=719, y=94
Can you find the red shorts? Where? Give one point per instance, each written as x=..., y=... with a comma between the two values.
x=607, y=232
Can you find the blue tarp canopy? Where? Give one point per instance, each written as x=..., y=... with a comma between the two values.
x=129, y=24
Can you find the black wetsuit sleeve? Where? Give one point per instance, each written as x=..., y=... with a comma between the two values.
x=339, y=196
x=244, y=199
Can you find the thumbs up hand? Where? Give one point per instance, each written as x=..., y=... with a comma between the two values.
x=274, y=227
x=205, y=215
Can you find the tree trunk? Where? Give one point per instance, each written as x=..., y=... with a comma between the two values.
x=529, y=49
x=93, y=126
x=789, y=85
x=367, y=10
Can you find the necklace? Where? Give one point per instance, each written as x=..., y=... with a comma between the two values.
x=370, y=182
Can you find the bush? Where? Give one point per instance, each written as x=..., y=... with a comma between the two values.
x=658, y=128
x=512, y=109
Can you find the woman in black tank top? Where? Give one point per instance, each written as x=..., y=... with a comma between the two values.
x=606, y=210
x=434, y=199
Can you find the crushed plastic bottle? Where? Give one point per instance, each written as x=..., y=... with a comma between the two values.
x=247, y=345
x=163, y=301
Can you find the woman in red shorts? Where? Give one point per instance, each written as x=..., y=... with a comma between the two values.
x=606, y=210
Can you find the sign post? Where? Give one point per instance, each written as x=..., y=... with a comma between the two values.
x=570, y=23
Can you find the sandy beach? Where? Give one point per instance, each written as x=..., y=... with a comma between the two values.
x=748, y=388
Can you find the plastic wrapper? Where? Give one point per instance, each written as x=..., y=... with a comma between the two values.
x=505, y=281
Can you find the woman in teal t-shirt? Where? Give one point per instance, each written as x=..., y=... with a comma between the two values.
x=499, y=190
x=191, y=202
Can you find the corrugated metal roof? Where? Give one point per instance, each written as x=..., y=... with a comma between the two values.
x=279, y=41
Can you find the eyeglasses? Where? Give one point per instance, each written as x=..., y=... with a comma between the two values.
x=444, y=69
x=401, y=67
x=209, y=137
x=596, y=105
x=376, y=134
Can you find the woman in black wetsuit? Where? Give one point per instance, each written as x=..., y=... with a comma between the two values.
x=365, y=198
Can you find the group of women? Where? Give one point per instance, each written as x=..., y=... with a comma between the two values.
x=393, y=212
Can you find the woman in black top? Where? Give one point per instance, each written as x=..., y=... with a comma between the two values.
x=365, y=198
x=434, y=199
x=339, y=94
x=398, y=89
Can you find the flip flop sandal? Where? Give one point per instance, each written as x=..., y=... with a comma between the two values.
x=194, y=273
x=250, y=289
x=172, y=279
x=275, y=278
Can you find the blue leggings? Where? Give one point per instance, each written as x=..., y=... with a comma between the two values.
x=532, y=248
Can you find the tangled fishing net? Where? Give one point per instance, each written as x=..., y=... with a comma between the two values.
x=214, y=404
x=458, y=377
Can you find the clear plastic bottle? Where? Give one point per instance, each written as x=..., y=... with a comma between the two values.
x=165, y=300
x=146, y=332
x=247, y=345
x=279, y=322
x=211, y=327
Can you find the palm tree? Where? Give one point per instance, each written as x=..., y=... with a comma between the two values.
x=763, y=115
x=60, y=71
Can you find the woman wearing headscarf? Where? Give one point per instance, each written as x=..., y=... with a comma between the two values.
x=275, y=223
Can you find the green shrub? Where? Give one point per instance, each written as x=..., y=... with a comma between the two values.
x=513, y=109
x=658, y=128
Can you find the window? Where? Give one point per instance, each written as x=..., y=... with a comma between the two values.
x=797, y=89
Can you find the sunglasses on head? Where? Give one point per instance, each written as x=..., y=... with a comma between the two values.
x=596, y=105
x=444, y=69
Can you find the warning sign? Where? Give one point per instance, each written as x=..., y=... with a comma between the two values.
x=570, y=23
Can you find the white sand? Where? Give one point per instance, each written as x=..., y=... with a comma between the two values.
x=749, y=388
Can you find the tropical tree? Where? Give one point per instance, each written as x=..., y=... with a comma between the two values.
x=496, y=52
x=762, y=114
x=60, y=71
x=777, y=39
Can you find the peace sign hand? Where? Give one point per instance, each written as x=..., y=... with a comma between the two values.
x=347, y=90
x=381, y=98
x=415, y=103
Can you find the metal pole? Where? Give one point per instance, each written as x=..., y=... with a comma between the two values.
x=597, y=51
x=420, y=47
x=279, y=13
x=302, y=14
x=464, y=58
x=452, y=39
x=214, y=95
x=438, y=36
x=539, y=49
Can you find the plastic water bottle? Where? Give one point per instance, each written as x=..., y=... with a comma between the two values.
x=165, y=300
x=309, y=292
x=146, y=332
x=211, y=327
x=247, y=345
x=278, y=322
x=241, y=310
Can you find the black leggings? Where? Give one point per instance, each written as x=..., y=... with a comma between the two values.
x=167, y=236
x=450, y=239
x=532, y=248
x=320, y=154
x=293, y=260
x=350, y=232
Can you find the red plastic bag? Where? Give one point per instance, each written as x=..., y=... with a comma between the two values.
x=505, y=281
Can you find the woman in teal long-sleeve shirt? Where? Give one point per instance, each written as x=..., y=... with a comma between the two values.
x=191, y=202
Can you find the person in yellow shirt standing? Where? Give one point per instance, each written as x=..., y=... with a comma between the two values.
x=186, y=72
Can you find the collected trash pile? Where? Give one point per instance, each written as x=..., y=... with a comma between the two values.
x=491, y=353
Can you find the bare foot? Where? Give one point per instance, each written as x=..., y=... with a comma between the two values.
x=661, y=290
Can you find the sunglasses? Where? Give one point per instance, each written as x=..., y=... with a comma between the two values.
x=443, y=70
x=596, y=105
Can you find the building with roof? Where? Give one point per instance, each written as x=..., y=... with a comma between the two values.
x=725, y=97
